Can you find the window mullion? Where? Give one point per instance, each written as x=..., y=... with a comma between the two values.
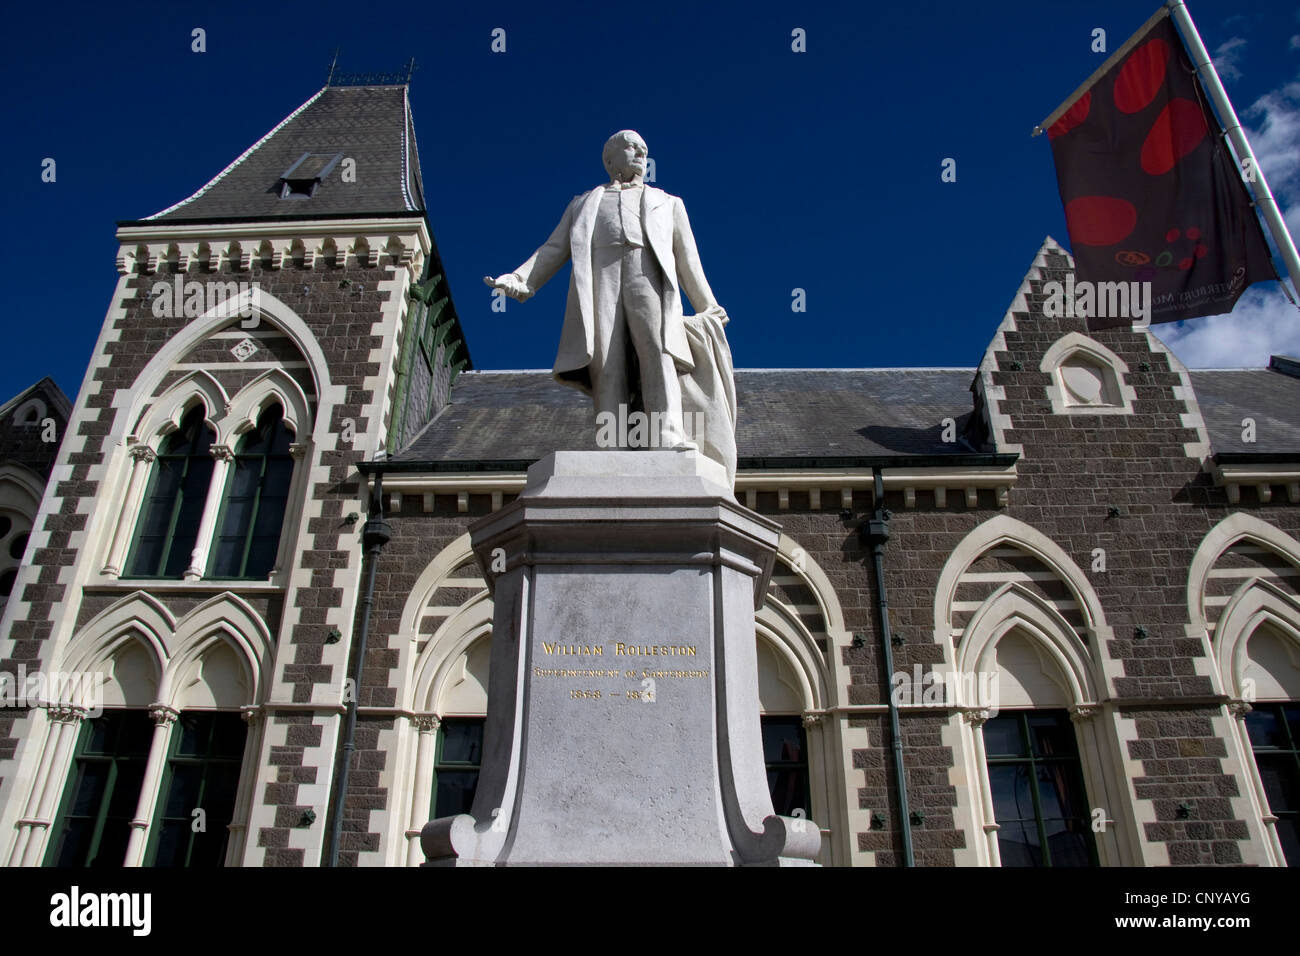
x=169, y=537
x=252, y=516
x=98, y=832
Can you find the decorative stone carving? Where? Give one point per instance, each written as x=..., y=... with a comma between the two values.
x=66, y=713
x=1239, y=709
x=162, y=714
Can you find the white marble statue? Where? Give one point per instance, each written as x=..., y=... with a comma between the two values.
x=625, y=341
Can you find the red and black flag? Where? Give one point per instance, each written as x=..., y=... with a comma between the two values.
x=1151, y=190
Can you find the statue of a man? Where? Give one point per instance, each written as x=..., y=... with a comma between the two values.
x=625, y=341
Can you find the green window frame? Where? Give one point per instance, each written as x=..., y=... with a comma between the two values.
x=204, y=759
x=785, y=754
x=1040, y=802
x=254, y=503
x=168, y=527
x=457, y=759
x=1274, y=731
x=103, y=790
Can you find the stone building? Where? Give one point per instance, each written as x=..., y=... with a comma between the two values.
x=1090, y=561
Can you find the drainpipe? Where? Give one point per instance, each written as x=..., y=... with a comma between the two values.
x=374, y=535
x=875, y=532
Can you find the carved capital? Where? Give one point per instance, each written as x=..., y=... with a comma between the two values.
x=251, y=715
x=427, y=723
x=1083, y=712
x=221, y=453
x=66, y=713
x=813, y=719
x=976, y=717
x=143, y=453
x=162, y=715
x=298, y=450
x=1239, y=709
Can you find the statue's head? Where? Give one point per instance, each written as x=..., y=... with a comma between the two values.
x=624, y=155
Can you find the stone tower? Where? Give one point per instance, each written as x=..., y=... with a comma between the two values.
x=190, y=596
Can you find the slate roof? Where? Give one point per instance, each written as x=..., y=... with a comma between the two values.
x=512, y=418
x=370, y=124
x=521, y=416
x=1270, y=397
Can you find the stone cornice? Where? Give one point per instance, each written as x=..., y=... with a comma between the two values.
x=1262, y=476
x=144, y=249
x=963, y=481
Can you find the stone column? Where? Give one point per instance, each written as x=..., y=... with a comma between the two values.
x=142, y=457
x=222, y=456
x=163, y=719
x=427, y=725
x=623, y=715
x=1238, y=709
x=51, y=776
x=976, y=719
x=252, y=716
x=293, y=512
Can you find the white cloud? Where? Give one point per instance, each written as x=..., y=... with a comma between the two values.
x=1226, y=57
x=1264, y=323
x=1275, y=138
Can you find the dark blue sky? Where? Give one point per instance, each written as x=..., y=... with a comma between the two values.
x=818, y=170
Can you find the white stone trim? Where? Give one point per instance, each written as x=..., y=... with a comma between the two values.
x=270, y=388
x=145, y=249
x=1253, y=604
x=1238, y=526
x=998, y=422
x=960, y=478
x=1198, y=450
x=163, y=415
x=1060, y=352
x=1260, y=476
x=1002, y=530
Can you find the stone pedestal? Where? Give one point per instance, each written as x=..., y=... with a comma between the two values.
x=623, y=723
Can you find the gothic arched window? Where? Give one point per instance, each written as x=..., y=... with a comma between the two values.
x=256, y=495
x=173, y=505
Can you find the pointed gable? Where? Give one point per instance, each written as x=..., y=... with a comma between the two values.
x=296, y=171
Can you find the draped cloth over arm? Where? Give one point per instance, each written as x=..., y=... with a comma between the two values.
x=711, y=389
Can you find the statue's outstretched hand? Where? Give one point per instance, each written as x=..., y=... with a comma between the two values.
x=511, y=285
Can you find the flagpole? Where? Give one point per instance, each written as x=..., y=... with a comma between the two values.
x=1263, y=195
